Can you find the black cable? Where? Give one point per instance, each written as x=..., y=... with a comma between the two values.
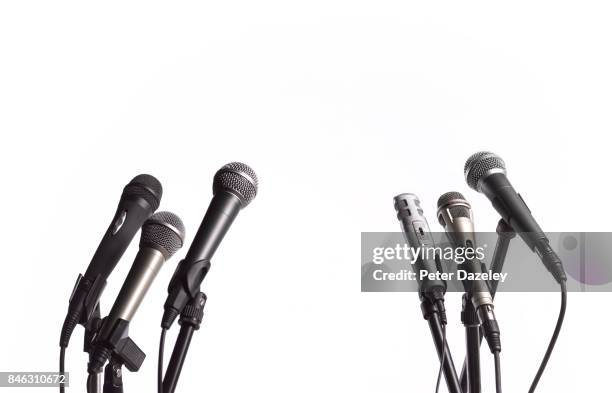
x=498, y=384
x=62, y=365
x=553, y=339
x=443, y=358
x=160, y=362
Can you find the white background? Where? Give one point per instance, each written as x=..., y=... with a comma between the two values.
x=338, y=106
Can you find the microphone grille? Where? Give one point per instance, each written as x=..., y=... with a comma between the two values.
x=479, y=164
x=237, y=178
x=163, y=231
x=146, y=187
x=449, y=196
x=454, y=210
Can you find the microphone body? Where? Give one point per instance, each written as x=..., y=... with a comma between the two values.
x=140, y=198
x=220, y=215
x=455, y=215
x=485, y=172
x=417, y=234
x=146, y=266
x=162, y=235
x=234, y=187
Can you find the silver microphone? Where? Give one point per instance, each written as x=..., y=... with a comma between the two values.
x=455, y=215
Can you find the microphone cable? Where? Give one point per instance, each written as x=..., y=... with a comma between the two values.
x=498, y=384
x=553, y=339
x=160, y=361
x=62, y=365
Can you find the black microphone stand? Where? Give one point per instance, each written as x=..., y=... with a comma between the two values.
x=113, y=376
x=190, y=321
x=470, y=373
x=432, y=315
x=473, y=338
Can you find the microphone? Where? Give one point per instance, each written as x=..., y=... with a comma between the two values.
x=417, y=234
x=140, y=198
x=455, y=215
x=485, y=172
x=162, y=236
x=234, y=187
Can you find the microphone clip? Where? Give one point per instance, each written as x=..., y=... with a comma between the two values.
x=119, y=346
x=183, y=288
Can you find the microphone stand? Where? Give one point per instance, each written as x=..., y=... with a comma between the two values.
x=113, y=381
x=473, y=338
x=470, y=373
x=190, y=321
x=432, y=315
x=94, y=381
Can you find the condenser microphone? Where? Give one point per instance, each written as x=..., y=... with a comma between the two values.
x=455, y=215
x=417, y=234
x=162, y=236
x=485, y=172
x=234, y=187
x=140, y=199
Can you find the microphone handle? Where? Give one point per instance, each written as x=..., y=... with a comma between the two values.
x=190, y=272
x=417, y=233
x=130, y=215
x=220, y=215
x=146, y=266
x=513, y=209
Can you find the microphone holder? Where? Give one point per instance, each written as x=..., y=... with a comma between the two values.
x=190, y=321
x=124, y=353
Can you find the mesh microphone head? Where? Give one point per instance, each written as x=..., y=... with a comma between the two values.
x=456, y=204
x=146, y=187
x=480, y=165
x=237, y=178
x=163, y=231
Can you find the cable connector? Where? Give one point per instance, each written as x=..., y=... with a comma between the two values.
x=193, y=313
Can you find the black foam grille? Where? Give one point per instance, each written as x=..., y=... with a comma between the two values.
x=163, y=231
x=146, y=187
x=239, y=179
x=479, y=164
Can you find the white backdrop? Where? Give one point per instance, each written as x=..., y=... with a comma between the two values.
x=338, y=106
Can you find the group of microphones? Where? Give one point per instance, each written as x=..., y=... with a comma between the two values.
x=106, y=339
x=485, y=172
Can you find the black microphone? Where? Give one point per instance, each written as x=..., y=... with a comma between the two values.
x=162, y=236
x=140, y=198
x=455, y=215
x=485, y=172
x=234, y=187
x=417, y=234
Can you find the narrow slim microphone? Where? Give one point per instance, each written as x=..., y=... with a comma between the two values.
x=162, y=236
x=417, y=234
x=485, y=172
x=140, y=198
x=234, y=187
x=455, y=215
